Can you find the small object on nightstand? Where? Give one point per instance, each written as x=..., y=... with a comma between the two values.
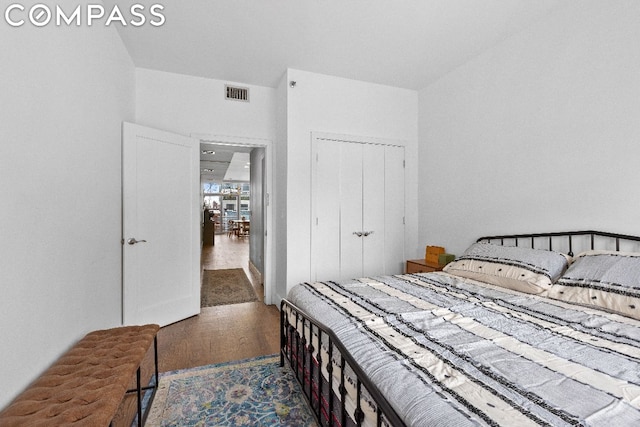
x=432, y=253
x=444, y=259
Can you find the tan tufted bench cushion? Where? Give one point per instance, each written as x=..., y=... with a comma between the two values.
x=85, y=386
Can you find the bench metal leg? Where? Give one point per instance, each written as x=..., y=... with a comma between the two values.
x=139, y=392
x=142, y=417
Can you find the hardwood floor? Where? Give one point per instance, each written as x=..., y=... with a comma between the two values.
x=218, y=334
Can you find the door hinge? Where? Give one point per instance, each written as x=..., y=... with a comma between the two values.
x=404, y=164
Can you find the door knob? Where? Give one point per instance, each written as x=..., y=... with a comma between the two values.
x=133, y=241
x=366, y=233
x=358, y=233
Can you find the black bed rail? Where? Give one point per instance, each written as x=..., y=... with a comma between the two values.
x=564, y=234
x=383, y=408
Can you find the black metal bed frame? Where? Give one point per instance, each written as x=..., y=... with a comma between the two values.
x=298, y=348
x=567, y=237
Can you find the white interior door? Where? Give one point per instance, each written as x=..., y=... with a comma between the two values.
x=161, y=208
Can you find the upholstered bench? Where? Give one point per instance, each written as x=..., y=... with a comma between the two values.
x=85, y=386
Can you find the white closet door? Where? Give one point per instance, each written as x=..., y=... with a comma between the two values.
x=350, y=197
x=325, y=240
x=394, y=210
x=356, y=188
x=373, y=209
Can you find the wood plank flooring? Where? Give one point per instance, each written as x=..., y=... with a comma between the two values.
x=219, y=334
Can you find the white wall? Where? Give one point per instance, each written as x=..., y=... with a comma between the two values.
x=185, y=105
x=540, y=133
x=279, y=199
x=65, y=92
x=320, y=103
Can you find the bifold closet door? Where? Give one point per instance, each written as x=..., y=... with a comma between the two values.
x=383, y=209
x=394, y=201
x=351, y=205
x=357, y=210
x=336, y=251
x=373, y=210
x=325, y=225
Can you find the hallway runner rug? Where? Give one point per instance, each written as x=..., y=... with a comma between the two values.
x=250, y=392
x=229, y=286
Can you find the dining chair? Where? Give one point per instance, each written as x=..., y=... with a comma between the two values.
x=234, y=228
x=245, y=228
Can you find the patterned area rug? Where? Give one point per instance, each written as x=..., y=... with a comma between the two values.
x=251, y=392
x=230, y=286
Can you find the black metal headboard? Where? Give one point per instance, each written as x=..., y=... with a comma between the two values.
x=568, y=241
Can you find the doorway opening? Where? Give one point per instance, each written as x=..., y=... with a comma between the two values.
x=234, y=213
x=229, y=204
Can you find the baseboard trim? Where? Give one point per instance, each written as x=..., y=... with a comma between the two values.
x=255, y=273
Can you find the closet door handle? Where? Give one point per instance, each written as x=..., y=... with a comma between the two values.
x=362, y=233
x=133, y=241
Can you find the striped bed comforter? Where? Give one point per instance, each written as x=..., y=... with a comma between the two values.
x=454, y=352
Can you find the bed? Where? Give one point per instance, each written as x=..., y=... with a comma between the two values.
x=535, y=329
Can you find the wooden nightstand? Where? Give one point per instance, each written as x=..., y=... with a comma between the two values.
x=420, y=266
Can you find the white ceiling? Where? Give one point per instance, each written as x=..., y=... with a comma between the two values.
x=403, y=43
x=227, y=163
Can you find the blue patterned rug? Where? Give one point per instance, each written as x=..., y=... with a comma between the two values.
x=251, y=392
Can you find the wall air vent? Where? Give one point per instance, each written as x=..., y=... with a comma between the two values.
x=236, y=93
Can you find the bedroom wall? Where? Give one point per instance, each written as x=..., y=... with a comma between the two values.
x=321, y=103
x=65, y=92
x=539, y=133
x=195, y=105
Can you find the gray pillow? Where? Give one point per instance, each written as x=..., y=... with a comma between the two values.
x=521, y=269
x=602, y=279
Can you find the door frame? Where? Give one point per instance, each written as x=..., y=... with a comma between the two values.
x=269, y=260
